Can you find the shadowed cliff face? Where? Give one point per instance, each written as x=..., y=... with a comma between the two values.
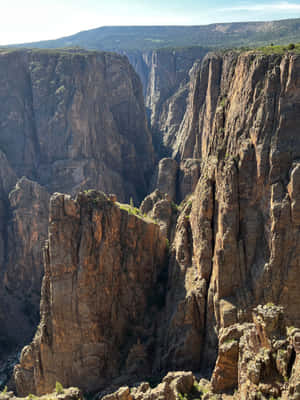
x=68, y=121
x=75, y=120
x=99, y=296
x=165, y=75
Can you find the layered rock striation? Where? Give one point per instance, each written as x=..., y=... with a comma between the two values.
x=165, y=77
x=75, y=120
x=243, y=122
x=100, y=294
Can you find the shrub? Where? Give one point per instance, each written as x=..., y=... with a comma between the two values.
x=182, y=396
x=59, y=388
x=291, y=46
x=167, y=244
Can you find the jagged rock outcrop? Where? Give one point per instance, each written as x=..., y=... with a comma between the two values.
x=177, y=179
x=75, y=120
x=173, y=385
x=257, y=358
x=159, y=207
x=61, y=394
x=100, y=294
x=188, y=176
x=166, y=179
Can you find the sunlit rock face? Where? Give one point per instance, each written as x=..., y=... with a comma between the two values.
x=243, y=123
x=99, y=297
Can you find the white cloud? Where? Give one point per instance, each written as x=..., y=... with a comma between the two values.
x=282, y=6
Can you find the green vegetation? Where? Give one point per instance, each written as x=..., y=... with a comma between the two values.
x=182, y=396
x=131, y=209
x=135, y=211
x=174, y=206
x=282, y=49
x=196, y=393
x=31, y=396
x=167, y=244
x=290, y=329
x=270, y=304
x=223, y=102
x=59, y=388
x=4, y=391
x=230, y=341
x=133, y=38
x=60, y=90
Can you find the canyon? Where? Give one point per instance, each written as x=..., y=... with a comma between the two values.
x=203, y=276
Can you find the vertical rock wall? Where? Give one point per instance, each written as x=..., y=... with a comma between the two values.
x=99, y=297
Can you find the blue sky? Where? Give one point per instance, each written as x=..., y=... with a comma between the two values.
x=33, y=20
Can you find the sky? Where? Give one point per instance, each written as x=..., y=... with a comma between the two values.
x=33, y=20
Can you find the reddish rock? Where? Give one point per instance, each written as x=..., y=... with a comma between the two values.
x=101, y=270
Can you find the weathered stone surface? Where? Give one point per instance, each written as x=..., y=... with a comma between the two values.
x=242, y=121
x=265, y=355
x=173, y=385
x=257, y=359
x=169, y=71
x=75, y=120
x=69, y=120
x=182, y=325
x=189, y=174
x=166, y=180
x=236, y=244
x=161, y=209
x=101, y=271
x=25, y=230
x=165, y=77
x=67, y=394
x=225, y=375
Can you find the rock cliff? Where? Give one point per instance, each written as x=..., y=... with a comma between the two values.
x=75, y=120
x=100, y=294
x=227, y=305
x=243, y=122
x=165, y=75
x=22, y=266
x=68, y=120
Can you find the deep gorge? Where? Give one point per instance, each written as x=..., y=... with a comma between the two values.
x=204, y=276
